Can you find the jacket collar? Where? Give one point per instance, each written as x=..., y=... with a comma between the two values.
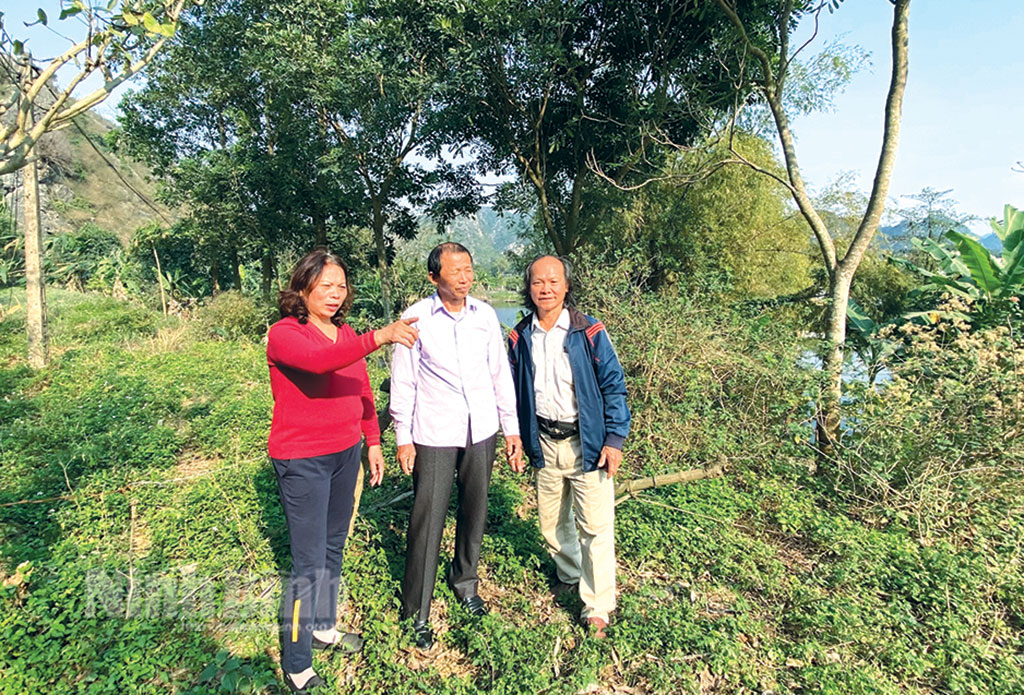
x=577, y=322
x=562, y=322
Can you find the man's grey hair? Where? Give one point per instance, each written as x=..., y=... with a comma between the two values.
x=528, y=277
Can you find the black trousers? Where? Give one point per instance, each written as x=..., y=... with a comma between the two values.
x=317, y=496
x=432, y=477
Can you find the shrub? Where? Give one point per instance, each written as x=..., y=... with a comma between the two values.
x=74, y=258
x=233, y=316
x=706, y=384
x=947, y=433
x=95, y=317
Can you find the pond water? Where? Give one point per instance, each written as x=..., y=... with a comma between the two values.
x=509, y=314
x=854, y=368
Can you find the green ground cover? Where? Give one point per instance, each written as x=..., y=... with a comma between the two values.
x=141, y=541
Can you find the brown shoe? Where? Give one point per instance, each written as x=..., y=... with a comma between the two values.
x=597, y=626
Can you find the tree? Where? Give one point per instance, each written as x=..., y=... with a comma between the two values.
x=934, y=215
x=299, y=119
x=234, y=139
x=377, y=75
x=766, y=75
x=731, y=229
x=577, y=98
x=120, y=41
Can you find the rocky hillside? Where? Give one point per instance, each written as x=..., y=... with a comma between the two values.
x=78, y=186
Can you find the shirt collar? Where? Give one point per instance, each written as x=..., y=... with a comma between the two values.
x=562, y=322
x=437, y=305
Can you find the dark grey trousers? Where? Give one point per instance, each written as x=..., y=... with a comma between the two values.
x=317, y=496
x=432, y=477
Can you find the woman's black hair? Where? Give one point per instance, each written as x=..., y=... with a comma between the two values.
x=566, y=266
x=307, y=271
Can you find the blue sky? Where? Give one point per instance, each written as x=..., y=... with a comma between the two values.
x=963, y=119
x=963, y=112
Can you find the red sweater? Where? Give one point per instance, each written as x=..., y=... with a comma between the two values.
x=323, y=402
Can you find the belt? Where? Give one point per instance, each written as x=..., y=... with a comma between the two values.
x=557, y=430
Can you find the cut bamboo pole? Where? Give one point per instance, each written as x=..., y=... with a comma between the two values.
x=627, y=488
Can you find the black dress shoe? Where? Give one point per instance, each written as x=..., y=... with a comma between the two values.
x=475, y=605
x=561, y=588
x=424, y=636
x=348, y=642
x=310, y=684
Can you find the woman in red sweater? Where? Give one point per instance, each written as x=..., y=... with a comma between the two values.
x=323, y=407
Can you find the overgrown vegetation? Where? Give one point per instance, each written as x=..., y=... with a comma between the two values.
x=142, y=544
x=944, y=438
x=141, y=541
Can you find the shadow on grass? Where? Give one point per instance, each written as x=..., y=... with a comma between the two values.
x=71, y=436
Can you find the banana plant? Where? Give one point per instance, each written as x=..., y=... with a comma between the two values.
x=863, y=334
x=969, y=270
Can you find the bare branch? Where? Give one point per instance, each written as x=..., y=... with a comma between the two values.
x=756, y=51
x=103, y=92
x=808, y=42
x=758, y=168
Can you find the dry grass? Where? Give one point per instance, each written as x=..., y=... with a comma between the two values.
x=192, y=464
x=167, y=339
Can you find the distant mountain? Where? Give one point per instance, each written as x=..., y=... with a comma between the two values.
x=487, y=234
x=897, y=237
x=992, y=243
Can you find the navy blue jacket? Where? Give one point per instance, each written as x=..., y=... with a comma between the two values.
x=598, y=380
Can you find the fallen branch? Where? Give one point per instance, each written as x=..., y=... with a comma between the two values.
x=628, y=488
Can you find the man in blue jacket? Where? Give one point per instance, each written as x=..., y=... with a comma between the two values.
x=573, y=418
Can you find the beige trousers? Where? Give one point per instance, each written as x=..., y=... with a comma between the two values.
x=577, y=520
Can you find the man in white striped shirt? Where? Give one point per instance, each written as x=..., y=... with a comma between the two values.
x=449, y=393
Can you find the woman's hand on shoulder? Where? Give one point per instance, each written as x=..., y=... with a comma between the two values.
x=401, y=331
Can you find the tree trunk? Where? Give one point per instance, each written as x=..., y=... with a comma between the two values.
x=320, y=225
x=383, y=269
x=236, y=268
x=215, y=272
x=268, y=273
x=828, y=420
x=35, y=283
x=549, y=224
x=832, y=362
x=572, y=222
x=160, y=280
